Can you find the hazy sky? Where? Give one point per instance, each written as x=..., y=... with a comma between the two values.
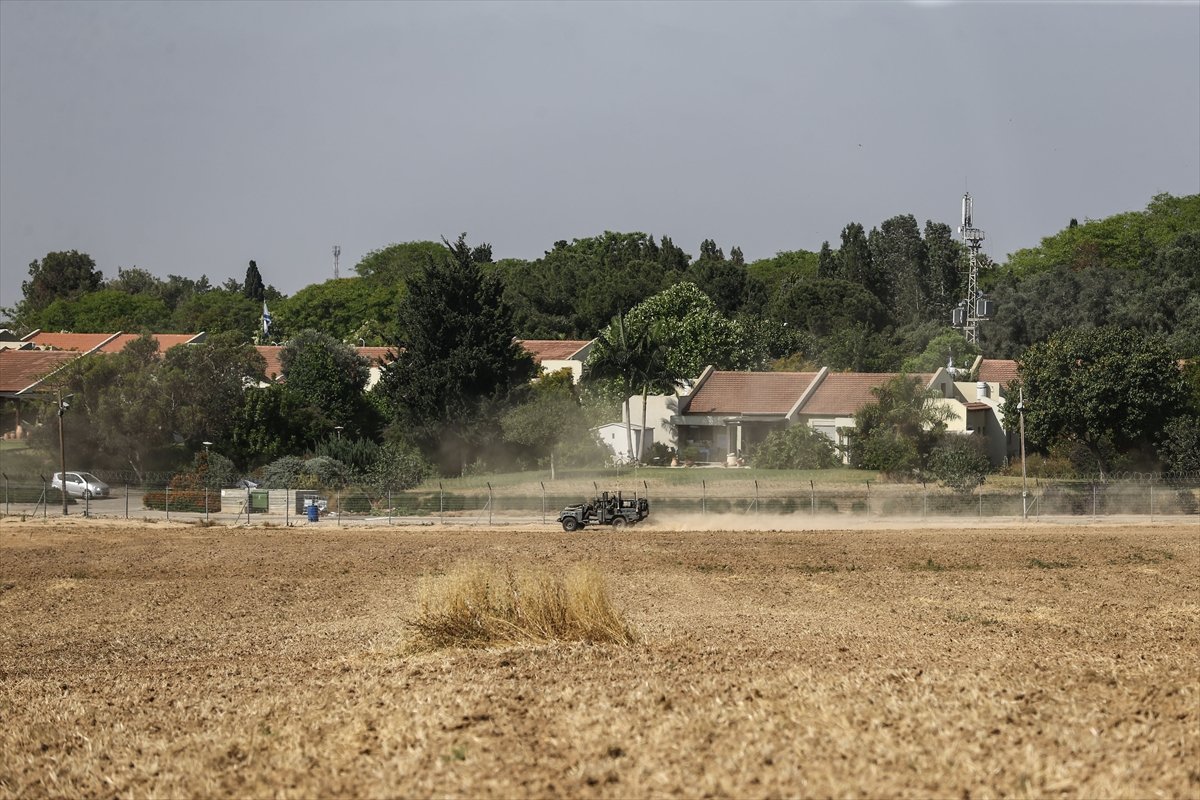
x=188, y=138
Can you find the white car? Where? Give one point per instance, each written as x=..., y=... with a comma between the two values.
x=80, y=484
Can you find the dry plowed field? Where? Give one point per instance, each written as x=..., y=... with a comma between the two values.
x=161, y=661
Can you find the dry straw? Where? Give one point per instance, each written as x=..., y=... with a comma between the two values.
x=480, y=606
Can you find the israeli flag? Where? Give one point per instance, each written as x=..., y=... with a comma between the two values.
x=266, y=320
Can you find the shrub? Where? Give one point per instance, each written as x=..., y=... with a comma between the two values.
x=284, y=473
x=399, y=466
x=327, y=471
x=359, y=455
x=214, y=469
x=797, y=447
x=960, y=462
x=478, y=606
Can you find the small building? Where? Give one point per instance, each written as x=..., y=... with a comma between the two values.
x=555, y=354
x=615, y=437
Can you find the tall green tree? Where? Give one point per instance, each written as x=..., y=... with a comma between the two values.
x=254, y=288
x=329, y=377
x=349, y=309
x=400, y=263
x=898, y=257
x=692, y=334
x=1107, y=389
x=64, y=275
x=945, y=270
x=722, y=280
x=459, y=364
x=218, y=311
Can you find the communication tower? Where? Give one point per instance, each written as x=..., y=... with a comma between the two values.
x=337, y=251
x=974, y=308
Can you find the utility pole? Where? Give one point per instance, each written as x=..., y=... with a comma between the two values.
x=62, y=452
x=337, y=252
x=1024, y=484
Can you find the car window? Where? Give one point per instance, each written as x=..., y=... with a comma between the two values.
x=87, y=476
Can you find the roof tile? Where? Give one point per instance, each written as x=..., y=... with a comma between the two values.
x=844, y=393
x=749, y=392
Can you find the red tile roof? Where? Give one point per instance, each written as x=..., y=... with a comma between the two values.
x=20, y=369
x=165, y=341
x=553, y=349
x=270, y=354
x=749, y=392
x=378, y=356
x=844, y=393
x=997, y=370
x=106, y=342
x=83, y=342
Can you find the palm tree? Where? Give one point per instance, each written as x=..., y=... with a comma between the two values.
x=638, y=361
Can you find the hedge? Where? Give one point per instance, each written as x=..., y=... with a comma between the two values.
x=187, y=500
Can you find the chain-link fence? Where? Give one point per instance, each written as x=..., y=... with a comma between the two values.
x=1157, y=498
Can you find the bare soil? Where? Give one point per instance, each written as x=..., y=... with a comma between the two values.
x=1014, y=661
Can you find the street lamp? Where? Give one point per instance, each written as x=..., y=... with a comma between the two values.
x=339, y=429
x=206, y=446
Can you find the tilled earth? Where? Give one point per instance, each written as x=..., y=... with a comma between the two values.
x=186, y=661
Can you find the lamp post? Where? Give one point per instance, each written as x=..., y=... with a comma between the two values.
x=339, y=429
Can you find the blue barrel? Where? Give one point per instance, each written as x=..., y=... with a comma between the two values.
x=314, y=513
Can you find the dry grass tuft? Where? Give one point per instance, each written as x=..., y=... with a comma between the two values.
x=480, y=606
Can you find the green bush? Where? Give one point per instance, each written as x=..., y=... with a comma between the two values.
x=797, y=447
x=960, y=462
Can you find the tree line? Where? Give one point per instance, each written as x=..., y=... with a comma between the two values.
x=459, y=395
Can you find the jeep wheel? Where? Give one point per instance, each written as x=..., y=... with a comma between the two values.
x=570, y=524
x=619, y=522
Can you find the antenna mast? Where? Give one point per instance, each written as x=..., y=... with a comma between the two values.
x=337, y=251
x=974, y=308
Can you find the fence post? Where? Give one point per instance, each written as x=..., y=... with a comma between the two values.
x=87, y=503
x=924, y=500
x=1152, y=501
x=868, y=499
x=756, y=511
x=703, y=497
x=126, y=501
x=543, y=485
x=389, y=506
x=167, y=501
x=981, y=501
x=489, y=485
x=812, y=492
x=1093, y=502
x=337, y=497
x=206, y=504
x=5, y=494
x=46, y=498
